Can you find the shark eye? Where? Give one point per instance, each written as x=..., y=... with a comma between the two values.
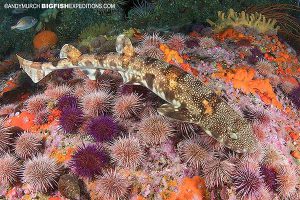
x=233, y=136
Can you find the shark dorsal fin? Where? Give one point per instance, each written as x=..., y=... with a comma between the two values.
x=124, y=46
x=70, y=52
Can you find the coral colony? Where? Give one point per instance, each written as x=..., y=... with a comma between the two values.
x=208, y=113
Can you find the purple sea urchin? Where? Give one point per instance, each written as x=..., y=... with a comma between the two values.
x=247, y=182
x=112, y=185
x=40, y=173
x=27, y=145
x=217, y=172
x=177, y=42
x=127, y=152
x=155, y=129
x=127, y=106
x=71, y=119
x=88, y=161
x=5, y=137
x=269, y=176
x=67, y=101
x=102, y=128
x=96, y=103
x=295, y=97
x=36, y=103
x=193, y=152
x=9, y=169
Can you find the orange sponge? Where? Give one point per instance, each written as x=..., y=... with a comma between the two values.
x=44, y=39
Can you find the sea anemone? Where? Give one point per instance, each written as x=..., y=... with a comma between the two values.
x=96, y=103
x=155, y=129
x=9, y=169
x=177, y=42
x=102, y=128
x=7, y=109
x=54, y=92
x=217, y=172
x=88, y=161
x=112, y=185
x=5, y=137
x=269, y=176
x=71, y=119
x=44, y=39
x=256, y=115
x=28, y=145
x=207, y=42
x=67, y=101
x=264, y=67
x=41, y=117
x=41, y=173
x=193, y=152
x=127, y=152
x=36, y=103
x=247, y=182
x=127, y=106
x=287, y=180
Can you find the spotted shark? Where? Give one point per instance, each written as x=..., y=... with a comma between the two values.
x=189, y=100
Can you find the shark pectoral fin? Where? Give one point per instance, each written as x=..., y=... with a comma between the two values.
x=70, y=52
x=181, y=114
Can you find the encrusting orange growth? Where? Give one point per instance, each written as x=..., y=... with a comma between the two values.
x=44, y=39
x=63, y=155
x=243, y=78
x=25, y=121
x=232, y=34
x=172, y=56
x=189, y=189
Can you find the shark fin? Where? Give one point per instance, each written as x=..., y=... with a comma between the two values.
x=35, y=70
x=124, y=46
x=70, y=52
x=181, y=114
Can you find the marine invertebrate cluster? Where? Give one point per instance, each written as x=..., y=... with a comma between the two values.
x=89, y=161
x=71, y=119
x=234, y=19
x=41, y=173
x=127, y=106
x=5, y=136
x=27, y=145
x=96, y=103
x=155, y=134
x=36, y=103
x=112, y=185
x=9, y=169
x=102, y=128
x=127, y=152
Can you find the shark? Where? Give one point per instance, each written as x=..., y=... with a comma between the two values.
x=188, y=99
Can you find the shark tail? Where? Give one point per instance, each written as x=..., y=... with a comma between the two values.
x=35, y=70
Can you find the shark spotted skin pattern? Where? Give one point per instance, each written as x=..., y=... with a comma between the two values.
x=188, y=98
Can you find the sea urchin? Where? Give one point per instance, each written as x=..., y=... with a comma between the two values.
x=88, y=161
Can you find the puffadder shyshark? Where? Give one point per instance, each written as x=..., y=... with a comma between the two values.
x=189, y=100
